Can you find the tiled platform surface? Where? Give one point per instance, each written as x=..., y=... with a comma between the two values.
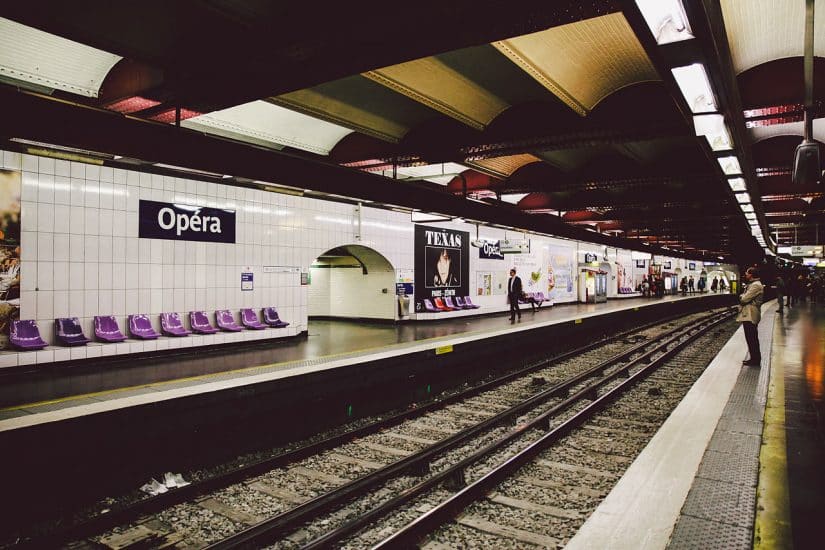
x=721, y=506
x=702, y=463
x=298, y=358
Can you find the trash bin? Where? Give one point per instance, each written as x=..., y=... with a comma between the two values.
x=403, y=305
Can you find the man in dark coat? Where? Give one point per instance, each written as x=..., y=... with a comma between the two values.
x=513, y=294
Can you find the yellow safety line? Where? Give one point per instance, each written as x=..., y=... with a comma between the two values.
x=772, y=527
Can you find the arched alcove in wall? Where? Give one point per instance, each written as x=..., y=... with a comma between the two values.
x=352, y=282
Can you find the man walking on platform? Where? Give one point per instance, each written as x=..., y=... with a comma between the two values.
x=691, y=285
x=513, y=294
x=750, y=313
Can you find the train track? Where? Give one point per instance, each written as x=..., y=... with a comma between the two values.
x=295, y=496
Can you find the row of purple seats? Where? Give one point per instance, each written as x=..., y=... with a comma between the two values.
x=437, y=305
x=626, y=290
x=536, y=298
x=25, y=335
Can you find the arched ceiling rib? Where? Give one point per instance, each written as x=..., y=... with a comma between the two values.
x=46, y=60
x=564, y=59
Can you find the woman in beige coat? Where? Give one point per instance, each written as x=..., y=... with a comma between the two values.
x=750, y=313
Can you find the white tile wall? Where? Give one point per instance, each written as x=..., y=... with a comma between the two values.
x=81, y=255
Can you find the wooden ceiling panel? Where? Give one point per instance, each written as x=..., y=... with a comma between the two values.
x=763, y=30
x=504, y=166
x=435, y=84
x=564, y=59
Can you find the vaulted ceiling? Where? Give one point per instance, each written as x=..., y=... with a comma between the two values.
x=561, y=116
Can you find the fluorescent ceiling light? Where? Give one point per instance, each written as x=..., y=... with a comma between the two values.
x=666, y=20
x=746, y=207
x=743, y=198
x=713, y=128
x=750, y=216
x=730, y=165
x=737, y=184
x=695, y=86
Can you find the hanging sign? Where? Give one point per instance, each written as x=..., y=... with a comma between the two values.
x=491, y=250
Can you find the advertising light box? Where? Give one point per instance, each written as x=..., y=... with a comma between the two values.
x=442, y=263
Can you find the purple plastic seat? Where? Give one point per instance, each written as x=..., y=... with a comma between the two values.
x=429, y=307
x=141, y=327
x=200, y=323
x=250, y=320
x=272, y=319
x=449, y=303
x=171, y=324
x=25, y=335
x=226, y=321
x=106, y=329
x=468, y=302
x=69, y=332
x=459, y=302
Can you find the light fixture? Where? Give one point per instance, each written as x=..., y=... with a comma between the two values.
x=730, y=165
x=750, y=216
x=666, y=19
x=746, y=207
x=743, y=198
x=713, y=127
x=62, y=152
x=737, y=184
x=188, y=170
x=695, y=87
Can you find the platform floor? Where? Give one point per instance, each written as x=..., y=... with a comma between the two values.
x=328, y=343
x=740, y=463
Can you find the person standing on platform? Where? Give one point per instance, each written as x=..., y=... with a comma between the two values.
x=715, y=284
x=691, y=285
x=750, y=313
x=683, y=286
x=513, y=294
x=722, y=286
x=780, y=292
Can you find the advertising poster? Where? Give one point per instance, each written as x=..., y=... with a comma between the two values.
x=500, y=279
x=560, y=274
x=484, y=283
x=529, y=268
x=9, y=252
x=442, y=263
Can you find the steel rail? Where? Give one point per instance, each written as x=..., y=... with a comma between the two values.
x=444, y=512
x=157, y=503
x=417, y=463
